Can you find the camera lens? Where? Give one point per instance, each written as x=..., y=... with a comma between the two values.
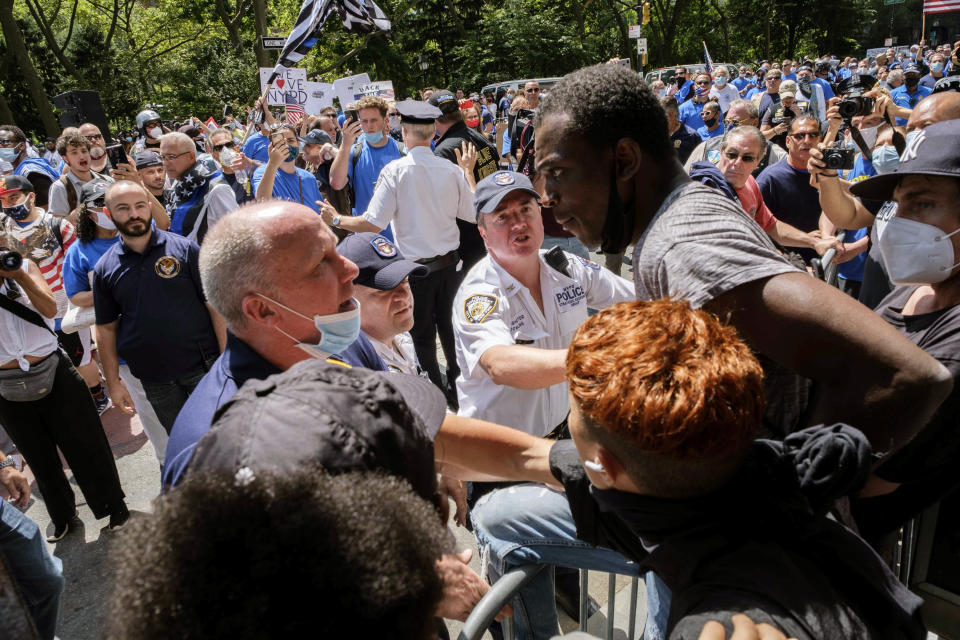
x=10, y=260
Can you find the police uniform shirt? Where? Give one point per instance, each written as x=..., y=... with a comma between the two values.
x=164, y=328
x=422, y=194
x=492, y=308
x=401, y=356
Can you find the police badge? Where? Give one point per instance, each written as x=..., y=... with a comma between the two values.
x=167, y=267
x=477, y=308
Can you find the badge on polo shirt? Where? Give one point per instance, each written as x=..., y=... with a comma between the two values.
x=477, y=308
x=167, y=267
x=383, y=247
x=589, y=263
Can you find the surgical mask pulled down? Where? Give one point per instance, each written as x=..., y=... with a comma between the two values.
x=337, y=330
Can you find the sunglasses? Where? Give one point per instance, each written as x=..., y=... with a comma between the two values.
x=732, y=123
x=733, y=155
x=702, y=82
x=773, y=78
x=220, y=147
x=534, y=90
x=805, y=134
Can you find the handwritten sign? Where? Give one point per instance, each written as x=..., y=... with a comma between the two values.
x=382, y=89
x=343, y=88
x=319, y=96
x=293, y=81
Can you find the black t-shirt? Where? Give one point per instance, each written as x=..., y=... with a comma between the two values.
x=777, y=112
x=767, y=101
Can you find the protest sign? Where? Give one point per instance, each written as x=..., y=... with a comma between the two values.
x=292, y=81
x=382, y=89
x=343, y=88
x=319, y=96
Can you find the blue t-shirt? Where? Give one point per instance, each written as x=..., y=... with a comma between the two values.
x=684, y=92
x=904, y=98
x=300, y=186
x=752, y=93
x=827, y=89
x=706, y=134
x=789, y=76
x=79, y=262
x=787, y=193
x=257, y=147
x=741, y=83
x=371, y=161
x=361, y=354
x=690, y=114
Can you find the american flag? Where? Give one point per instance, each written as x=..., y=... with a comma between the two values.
x=940, y=6
x=293, y=109
x=358, y=16
x=707, y=60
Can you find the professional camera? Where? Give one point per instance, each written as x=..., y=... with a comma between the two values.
x=837, y=158
x=782, y=115
x=856, y=106
x=10, y=260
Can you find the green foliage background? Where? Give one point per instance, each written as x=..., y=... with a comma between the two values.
x=192, y=56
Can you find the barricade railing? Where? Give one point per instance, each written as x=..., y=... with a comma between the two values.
x=507, y=587
x=824, y=268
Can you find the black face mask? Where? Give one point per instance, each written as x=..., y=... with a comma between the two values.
x=911, y=83
x=680, y=81
x=804, y=85
x=618, y=226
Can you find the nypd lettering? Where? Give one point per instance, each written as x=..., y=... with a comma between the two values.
x=476, y=308
x=569, y=296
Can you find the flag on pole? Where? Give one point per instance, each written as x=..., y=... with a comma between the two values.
x=940, y=6
x=358, y=16
x=292, y=108
x=707, y=61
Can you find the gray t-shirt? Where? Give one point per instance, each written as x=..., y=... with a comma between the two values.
x=58, y=203
x=701, y=245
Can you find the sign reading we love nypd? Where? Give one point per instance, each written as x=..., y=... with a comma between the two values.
x=293, y=81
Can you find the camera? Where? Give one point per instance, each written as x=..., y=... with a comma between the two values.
x=837, y=159
x=856, y=106
x=10, y=260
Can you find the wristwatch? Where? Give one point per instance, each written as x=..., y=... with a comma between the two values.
x=336, y=221
x=9, y=462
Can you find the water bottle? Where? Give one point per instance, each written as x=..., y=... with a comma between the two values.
x=227, y=156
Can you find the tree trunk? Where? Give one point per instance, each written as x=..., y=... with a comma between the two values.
x=6, y=115
x=57, y=49
x=260, y=25
x=16, y=44
x=622, y=28
x=233, y=31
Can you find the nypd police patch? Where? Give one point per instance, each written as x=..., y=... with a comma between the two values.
x=477, y=308
x=589, y=263
x=383, y=247
x=504, y=179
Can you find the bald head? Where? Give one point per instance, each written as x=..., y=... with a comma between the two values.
x=935, y=108
x=248, y=250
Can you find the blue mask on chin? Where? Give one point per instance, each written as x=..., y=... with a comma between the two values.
x=373, y=138
x=337, y=330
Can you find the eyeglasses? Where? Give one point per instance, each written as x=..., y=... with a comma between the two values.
x=95, y=136
x=702, y=82
x=733, y=155
x=729, y=124
x=219, y=147
x=534, y=90
x=170, y=157
x=800, y=135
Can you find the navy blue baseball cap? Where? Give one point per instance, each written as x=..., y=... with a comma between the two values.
x=492, y=189
x=316, y=136
x=445, y=101
x=935, y=151
x=910, y=67
x=147, y=158
x=380, y=263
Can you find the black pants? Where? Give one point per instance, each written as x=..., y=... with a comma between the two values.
x=67, y=418
x=167, y=398
x=432, y=313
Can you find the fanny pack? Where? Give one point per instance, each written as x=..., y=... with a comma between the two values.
x=17, y=385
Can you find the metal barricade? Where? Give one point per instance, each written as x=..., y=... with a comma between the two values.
x=825, y=268
x=507, y=587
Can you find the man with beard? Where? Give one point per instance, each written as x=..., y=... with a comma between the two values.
x=198, y=195
x=98, y=147
x=151, y=309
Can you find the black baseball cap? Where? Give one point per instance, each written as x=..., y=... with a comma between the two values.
x=339, y=417
x=316, y=136
x=147, y=158
x=935, y=151
x=9, y=184
x=445, y=101
x=856, y=83
x=492, y=189
x=381, y=265
x=94, y=190
x=910, y=67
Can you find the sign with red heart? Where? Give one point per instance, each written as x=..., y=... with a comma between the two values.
x=280, y=82
x=293, y=81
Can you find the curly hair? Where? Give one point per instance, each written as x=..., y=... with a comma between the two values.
x=86, y=227
x=17, y=132
x=282, y=556
x=607, y=102
x=372, y=102
x=671, y=391
x=72, y=139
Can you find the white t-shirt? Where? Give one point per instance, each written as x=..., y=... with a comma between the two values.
x=492, y=308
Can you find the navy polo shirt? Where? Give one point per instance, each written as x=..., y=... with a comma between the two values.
x=236, y=365
x=164, y=328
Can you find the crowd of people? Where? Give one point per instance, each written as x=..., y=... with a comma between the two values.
x=268, y=298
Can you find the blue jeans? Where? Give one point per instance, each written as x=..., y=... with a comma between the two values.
x=532, y=524
x=570, y=245
x=38, y=574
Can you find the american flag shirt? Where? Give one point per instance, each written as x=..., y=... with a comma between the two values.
x=36, y=241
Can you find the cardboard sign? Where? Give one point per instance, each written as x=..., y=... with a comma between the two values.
x=382, y=89
x=319, y=96
x=293, y=81
x=343, y=88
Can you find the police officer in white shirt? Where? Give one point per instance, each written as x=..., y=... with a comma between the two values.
x=422, y=195
x=517, y=310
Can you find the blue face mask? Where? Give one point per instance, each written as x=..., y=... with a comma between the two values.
x=18, y=212
x=337, y=330
x=373, y=138
x=294, y=152
x=885, y=159
x=936, y=67
x=910, y=137
x=9, y=154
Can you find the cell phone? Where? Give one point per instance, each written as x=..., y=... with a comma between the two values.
x=116, y=155
x=352, y=114
x=227, y=110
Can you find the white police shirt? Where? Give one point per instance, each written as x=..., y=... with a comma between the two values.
x=492, y=308
x=400, y=356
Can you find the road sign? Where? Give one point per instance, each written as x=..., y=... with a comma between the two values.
x=641, y=45
x=635, y=31
x=888, y=42
x=272, y=43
